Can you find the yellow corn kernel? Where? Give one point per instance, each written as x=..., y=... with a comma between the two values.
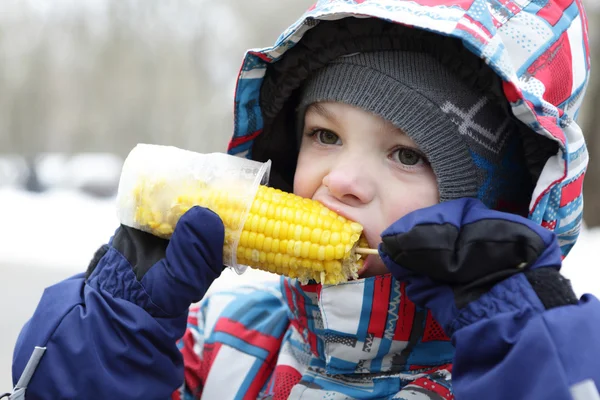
x=275, y=246
x=260, y=240
x=269, y=227
x=305, y=234
x=329, y=253
x=267, y=244
x=339, y=251
x=313, y=251
x=252, y=240
x=325, y=236
x=336, y=238
x=305, y=250
x=315, y=235
x=282, y=233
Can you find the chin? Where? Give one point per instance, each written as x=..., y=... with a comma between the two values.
x=373, y=266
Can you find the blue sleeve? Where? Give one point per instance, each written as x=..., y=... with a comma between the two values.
x=104, y=339
x=509, y=346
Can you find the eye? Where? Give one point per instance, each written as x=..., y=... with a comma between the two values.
x=409, y=157
x=326, y=137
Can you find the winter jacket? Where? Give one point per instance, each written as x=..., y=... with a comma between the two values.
x=361, y=340
x=296, y=341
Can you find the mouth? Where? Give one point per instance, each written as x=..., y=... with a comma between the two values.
x=372, y=263
x=364, y=267
x=336, y=208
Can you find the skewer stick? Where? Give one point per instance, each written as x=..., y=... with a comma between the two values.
x=364, y=250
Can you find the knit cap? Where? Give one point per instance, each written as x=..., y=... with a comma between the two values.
x=468, y=136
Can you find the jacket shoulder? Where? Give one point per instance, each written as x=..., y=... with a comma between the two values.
x=235, y=336
x=258, y=307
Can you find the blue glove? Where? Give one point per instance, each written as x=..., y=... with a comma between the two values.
x=453, y=253
x=173, y=273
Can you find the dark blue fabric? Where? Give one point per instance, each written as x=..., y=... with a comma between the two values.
x=193, y=261
x=437, y=295
x=114, y=337
x=462, y=212
x=525, y=353
x=507, y=344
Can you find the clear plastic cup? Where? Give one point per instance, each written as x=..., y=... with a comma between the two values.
x=158, y=184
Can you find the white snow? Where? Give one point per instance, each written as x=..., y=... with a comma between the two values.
x=62, y=229
x=77, y=171
x=56, y=229
x=13, y=169
x=582, y=265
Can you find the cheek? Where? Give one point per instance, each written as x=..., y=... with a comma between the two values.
x=406, y=198
x=307, y=178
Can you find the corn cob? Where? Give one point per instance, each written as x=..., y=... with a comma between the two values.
x=283, y=233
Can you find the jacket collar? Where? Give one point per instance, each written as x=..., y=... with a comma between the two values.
x=365, y=326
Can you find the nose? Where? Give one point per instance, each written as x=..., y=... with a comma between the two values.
x=350, y=183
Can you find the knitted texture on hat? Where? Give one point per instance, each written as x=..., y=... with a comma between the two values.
x=470, y=140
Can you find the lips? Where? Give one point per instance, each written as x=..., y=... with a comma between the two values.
x=337, y=207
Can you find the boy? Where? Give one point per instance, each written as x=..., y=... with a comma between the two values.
x=411, y=134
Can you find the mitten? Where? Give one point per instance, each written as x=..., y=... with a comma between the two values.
x=455, y=252
x=162, y=276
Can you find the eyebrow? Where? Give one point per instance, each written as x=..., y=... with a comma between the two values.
x=325, y=113
x=322, y=111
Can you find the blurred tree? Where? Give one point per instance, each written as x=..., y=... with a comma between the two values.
x=105, y=75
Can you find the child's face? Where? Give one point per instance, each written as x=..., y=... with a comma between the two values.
x=364, y=168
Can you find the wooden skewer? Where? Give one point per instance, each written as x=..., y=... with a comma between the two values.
x=363, y=250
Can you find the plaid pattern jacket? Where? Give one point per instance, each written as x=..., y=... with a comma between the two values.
x=361, y=340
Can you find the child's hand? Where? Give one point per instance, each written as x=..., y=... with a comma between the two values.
x=172, y=274
x=453, y=253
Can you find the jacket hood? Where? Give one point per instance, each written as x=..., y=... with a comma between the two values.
x=539, y=50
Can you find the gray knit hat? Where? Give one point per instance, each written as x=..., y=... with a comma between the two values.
x=468, y=136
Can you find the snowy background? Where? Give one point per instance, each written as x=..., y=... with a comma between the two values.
x=50, y=236
x=82, y=82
